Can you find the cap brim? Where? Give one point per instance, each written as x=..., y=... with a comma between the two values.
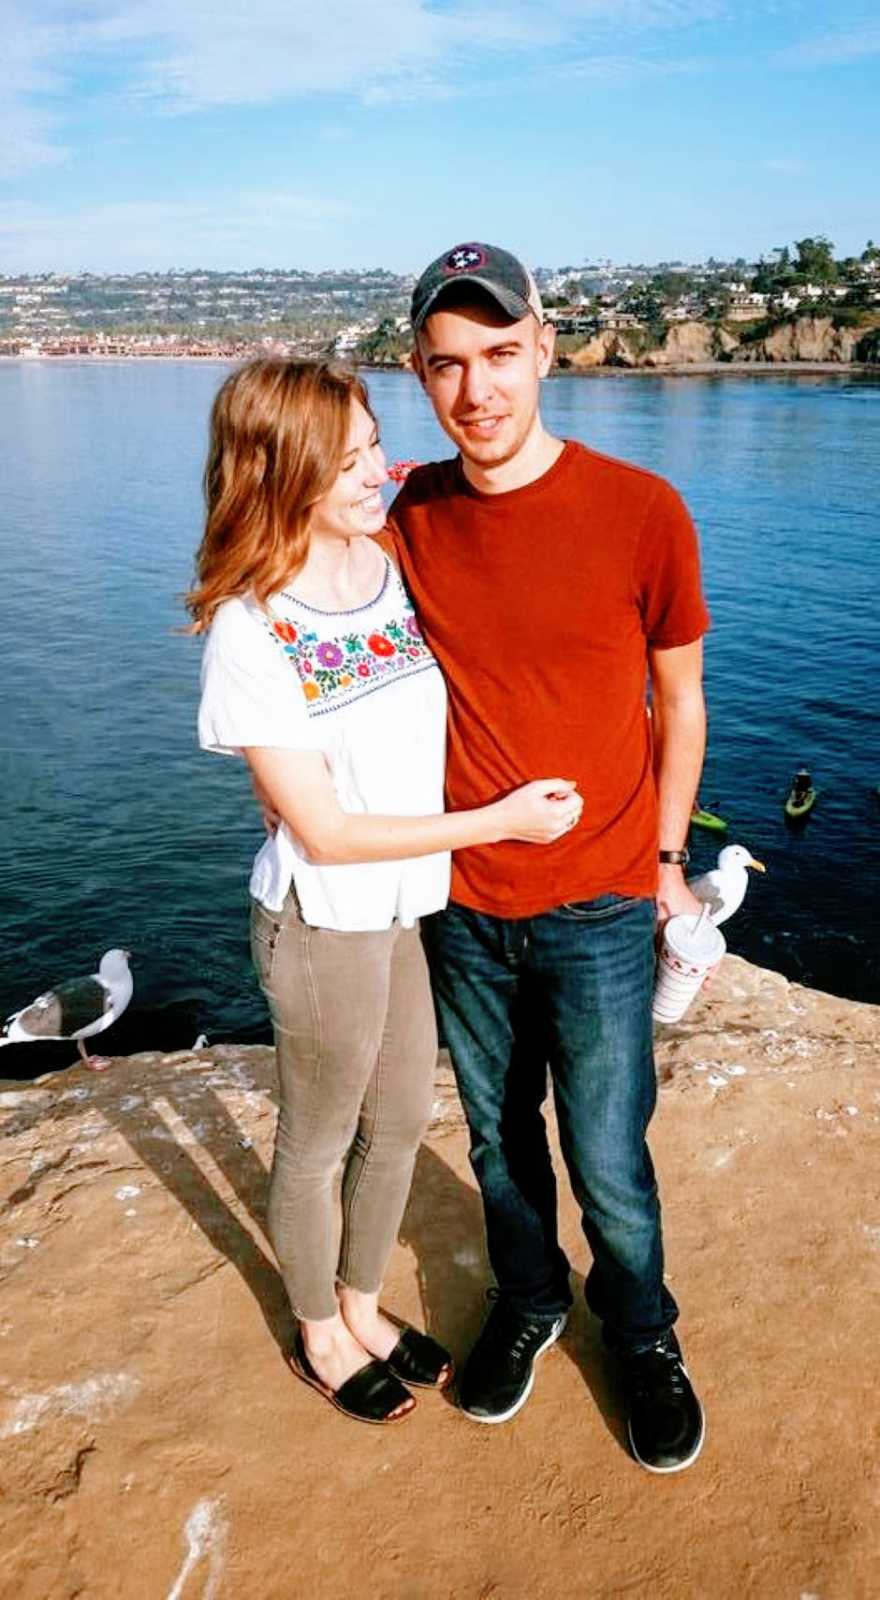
x=507, y=299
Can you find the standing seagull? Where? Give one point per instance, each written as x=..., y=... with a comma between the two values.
x=723, y=889
x=77, y=1009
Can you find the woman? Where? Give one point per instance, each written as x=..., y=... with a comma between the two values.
x=316, y=672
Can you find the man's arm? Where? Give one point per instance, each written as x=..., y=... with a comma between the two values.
x=679, y=732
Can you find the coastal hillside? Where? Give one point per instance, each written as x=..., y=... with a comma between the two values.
x=807, y=340
x=623, y=315
x=156, y=1444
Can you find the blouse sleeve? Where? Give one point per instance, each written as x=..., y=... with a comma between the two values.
x=251, y=692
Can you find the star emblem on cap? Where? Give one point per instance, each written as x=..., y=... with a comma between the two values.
x=464, y=258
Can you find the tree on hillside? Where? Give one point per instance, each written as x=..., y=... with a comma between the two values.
x=871, y=252
x=384, y=345
x=815, y=259
x=645, y=304
x=670, y=285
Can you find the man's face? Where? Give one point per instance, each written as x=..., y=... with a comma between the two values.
x=482, y=374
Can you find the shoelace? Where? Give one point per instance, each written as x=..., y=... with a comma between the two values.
x=502, y=1322
x=661, y=1362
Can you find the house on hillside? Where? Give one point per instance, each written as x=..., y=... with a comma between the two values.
x=746, y=306
x=617, y=321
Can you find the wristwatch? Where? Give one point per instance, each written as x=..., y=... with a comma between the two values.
x=675, y=858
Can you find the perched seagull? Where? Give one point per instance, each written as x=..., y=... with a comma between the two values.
x=723, y=889
x=77, y=1009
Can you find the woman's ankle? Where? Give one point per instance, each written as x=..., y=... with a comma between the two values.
x=324, y=1334
x=356, y=1308
x=366, y=1322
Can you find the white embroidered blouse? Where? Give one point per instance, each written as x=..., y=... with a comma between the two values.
x=363, y=688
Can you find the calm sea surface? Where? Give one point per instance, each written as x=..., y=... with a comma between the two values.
x=118, y=831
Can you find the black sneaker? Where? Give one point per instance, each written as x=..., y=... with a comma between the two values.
x=666, y=1423
x=500, y=1370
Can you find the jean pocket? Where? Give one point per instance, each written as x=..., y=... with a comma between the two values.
x=599, y=909
x=266, y=930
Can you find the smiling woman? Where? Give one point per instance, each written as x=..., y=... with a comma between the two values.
x=316, y=671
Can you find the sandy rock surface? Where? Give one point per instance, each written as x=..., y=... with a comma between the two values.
x=684, y=342
x=808, y=339
x=155, y=1445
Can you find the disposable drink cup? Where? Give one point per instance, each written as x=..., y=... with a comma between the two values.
x=691, y=945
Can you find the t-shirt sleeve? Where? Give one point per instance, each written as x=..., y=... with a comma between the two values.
x=251, y=693
x=387, y=541
x=667, y=576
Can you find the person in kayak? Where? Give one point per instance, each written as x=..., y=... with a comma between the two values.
x=802, y=784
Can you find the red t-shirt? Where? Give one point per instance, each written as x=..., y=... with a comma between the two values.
x=540, y=605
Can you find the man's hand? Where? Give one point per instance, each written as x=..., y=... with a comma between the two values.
x=675, y=899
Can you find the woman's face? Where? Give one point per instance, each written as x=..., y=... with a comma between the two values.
x=353, y=506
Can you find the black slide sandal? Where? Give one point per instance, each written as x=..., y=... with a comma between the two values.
x=371, y=1395
x=420, y=1360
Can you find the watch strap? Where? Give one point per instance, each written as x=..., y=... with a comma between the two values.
x=675, y=858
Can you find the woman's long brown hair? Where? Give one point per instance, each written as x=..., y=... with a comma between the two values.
x=278, y=433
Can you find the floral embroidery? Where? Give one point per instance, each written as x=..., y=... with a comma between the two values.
x=329, y=655
x=333, y=672
x=399, y=471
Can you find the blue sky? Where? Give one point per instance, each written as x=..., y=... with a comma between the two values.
x=313, y=133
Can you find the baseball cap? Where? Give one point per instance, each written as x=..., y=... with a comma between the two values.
x=488, y=267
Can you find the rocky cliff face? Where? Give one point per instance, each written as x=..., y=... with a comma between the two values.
x=684, y=342
x=606, y=349
x=156, y=1444
x=807, y=339
x=813, y=340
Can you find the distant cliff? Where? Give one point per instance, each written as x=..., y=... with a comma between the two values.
x=810, y=339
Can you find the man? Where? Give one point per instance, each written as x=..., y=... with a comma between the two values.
x=549, y=581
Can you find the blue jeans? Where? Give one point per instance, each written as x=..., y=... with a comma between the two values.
x=569, y=989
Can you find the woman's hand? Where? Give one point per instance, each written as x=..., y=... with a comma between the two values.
x=271, y=817
x=297, y=786
x=539, y=812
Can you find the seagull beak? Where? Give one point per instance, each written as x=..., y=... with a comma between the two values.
x=758, y=865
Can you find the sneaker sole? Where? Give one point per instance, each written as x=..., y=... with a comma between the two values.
x=505, y=1416
x=679, y=1465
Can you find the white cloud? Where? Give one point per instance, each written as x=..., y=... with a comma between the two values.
x=626, y=69
x=836, y=49
x=786, y=166
x=27, y=122
x=191, y=55
x=27, y=139
x=235, y=230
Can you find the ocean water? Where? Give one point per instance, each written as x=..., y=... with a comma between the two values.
x=118, y=831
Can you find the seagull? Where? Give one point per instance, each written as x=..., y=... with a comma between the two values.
x=77, y=1009
x=723, y=889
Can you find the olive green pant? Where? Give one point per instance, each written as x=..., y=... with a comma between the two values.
x=356, y=1043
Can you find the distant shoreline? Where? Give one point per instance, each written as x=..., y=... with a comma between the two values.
x=729, y=369
x=684, y=369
